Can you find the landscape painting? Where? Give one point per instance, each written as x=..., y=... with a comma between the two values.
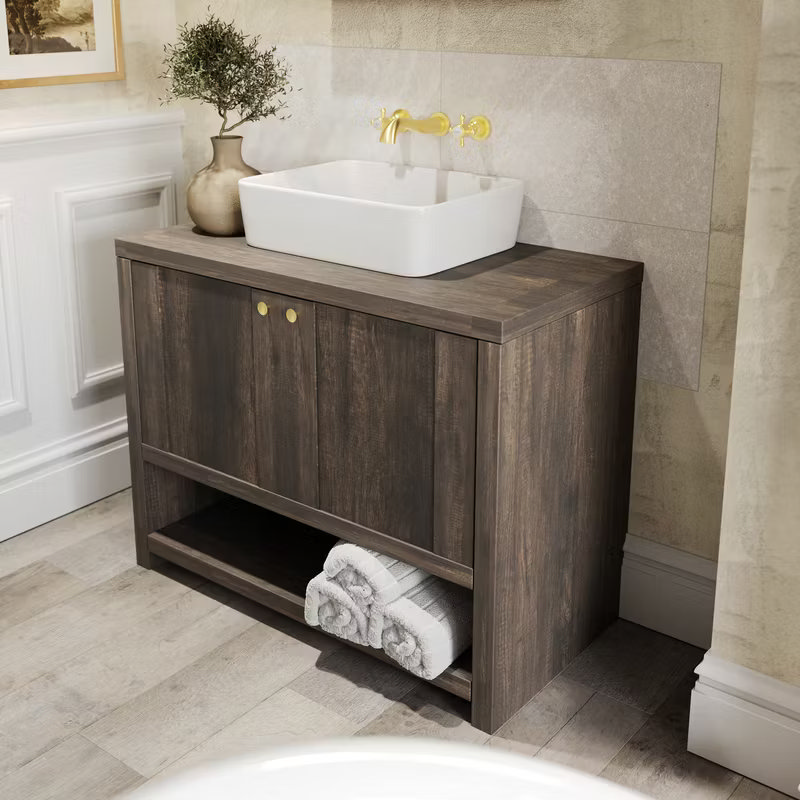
x=49, y=26
x=60, y=41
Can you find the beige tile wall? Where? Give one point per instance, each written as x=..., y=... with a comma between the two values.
x=681, y=432
x=757, y=614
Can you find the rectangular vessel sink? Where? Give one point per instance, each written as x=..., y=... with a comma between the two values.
x=409, y=221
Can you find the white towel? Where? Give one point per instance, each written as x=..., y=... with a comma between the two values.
x=372, y=579
x=429, y=627
x=332, y=609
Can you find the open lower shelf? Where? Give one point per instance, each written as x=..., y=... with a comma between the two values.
x=270, y=559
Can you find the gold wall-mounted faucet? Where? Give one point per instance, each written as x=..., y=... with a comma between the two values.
x=400, y=121
x=478, y=128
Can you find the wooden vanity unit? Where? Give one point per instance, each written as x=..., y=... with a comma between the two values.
x=477, y=423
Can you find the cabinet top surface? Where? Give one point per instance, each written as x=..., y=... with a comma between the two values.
x=496, y=298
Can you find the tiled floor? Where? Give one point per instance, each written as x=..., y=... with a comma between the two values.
x=111, y=675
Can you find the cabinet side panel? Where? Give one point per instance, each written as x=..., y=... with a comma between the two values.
x=285, y=381
x=195, y=356
x=548, y=553
x=454, y=447
x=127, y=317
x=376, y=399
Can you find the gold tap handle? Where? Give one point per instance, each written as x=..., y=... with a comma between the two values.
x=478, y=128
x=377, y=122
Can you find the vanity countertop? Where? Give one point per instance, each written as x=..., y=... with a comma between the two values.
x=494, y=299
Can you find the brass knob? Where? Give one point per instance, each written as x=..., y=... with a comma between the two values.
x=263, y=308
x=291, y=315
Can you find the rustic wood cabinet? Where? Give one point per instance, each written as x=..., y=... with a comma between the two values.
x=477, y=423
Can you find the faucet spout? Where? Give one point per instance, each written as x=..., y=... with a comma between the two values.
x=438, y=124
x=390, y=125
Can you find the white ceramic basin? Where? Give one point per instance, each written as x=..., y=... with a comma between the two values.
x=403, y=220
x=377, y=768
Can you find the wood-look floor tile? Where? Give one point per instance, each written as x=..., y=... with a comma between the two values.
x=33, y=589
x=75, y=770
x=634, y=665
x=285, y=717
x=41, y=542
x=594, y=735
x=354, y=685
x=164, y=723
x=81, y=691
x=655, y=760
x=426, y=711
x=532, y=727
x=43, y=642
x=750, y=790
x=100, y=557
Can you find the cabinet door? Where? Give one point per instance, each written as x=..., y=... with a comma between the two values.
x=195, y=361
x=397, y=429
x=285, y=384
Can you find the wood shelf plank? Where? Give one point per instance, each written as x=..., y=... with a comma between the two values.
x=268, y=559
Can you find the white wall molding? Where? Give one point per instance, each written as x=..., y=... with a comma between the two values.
x=33, y=136
x=13, y=395
x=64, y=486
x=748, y=722
x=161, y=189
x=668, y=590
x=44, y=458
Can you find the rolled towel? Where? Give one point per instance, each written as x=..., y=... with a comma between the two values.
x=332, y=609
x=429, y=627
x=372, y=579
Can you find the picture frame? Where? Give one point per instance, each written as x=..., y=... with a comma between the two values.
x=47, y=42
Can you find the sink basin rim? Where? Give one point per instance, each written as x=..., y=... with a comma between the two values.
x=499, y=183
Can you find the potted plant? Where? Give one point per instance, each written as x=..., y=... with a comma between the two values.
x=218, y=64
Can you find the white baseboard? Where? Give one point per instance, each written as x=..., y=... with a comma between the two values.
x=747, y=722
x=61, y=487
x=668, y=590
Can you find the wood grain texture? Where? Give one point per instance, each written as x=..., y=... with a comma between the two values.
x=285, y=381
x=33, y=589
x=649, y=665
x=376, y=417
x=75, y=768
x=594, y=735
x=355, y=687
x=48, y=640
x=269, y=559
x=541, y=718
x=495, y=299
x=265, y=556
x=343, y=528
x=454, y=446
x=46, y=540
x=131, y=369
x=426, y=711
x=195, y=368
x=553, y=475
x=284, y=718
x=655, y=760
x=167, y=721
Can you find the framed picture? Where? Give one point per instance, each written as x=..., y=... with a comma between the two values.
x=60, y=41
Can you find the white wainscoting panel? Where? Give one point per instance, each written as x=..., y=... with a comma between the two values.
x=73, y=187
x=89, y=219
x=12, y=355
x=668, y=590
x=748, y=722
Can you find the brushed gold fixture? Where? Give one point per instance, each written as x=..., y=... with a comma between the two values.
x=437, y=124
x=291, y=315
x=478, y=128
x=263, y=308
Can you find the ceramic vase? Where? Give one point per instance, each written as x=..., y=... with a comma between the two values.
x=213, y=195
